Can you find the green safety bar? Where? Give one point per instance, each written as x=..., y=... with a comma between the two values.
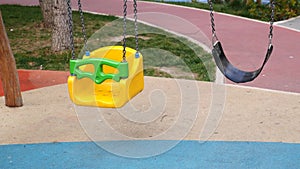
x=98, y=76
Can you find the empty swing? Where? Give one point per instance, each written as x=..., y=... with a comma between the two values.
x=109, y=76
x=231, y=72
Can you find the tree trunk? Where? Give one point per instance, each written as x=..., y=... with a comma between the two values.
x=47, y=11
x=258, y=2
x=8, y=71
x=61, y=32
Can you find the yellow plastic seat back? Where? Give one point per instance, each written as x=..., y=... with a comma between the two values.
x=109, y=93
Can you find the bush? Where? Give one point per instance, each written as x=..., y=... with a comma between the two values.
x=287, y=9
x=217, y=1
x=283, y=10
x=235, y=3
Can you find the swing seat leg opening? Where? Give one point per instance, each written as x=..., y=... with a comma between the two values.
x=109, y=93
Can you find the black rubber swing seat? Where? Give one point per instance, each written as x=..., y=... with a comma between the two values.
x=232, y=73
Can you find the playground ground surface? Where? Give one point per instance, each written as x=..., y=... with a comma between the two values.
x=223, y=126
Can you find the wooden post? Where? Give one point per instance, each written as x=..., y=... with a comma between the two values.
x=8, y=71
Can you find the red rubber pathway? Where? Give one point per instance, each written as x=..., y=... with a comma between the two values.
x=245, y=41
x=33, y=79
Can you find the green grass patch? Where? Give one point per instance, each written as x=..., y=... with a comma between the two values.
x=165, y=54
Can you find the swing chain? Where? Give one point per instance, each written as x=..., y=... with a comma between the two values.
x=214, y=35
x=71, y=29
x=82, y=25
x=124, y=29
x=136, y=26
x=212, y=20
x=272, y=3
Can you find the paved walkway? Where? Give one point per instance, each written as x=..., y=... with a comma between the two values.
x=293, y=23
x=242, y=135
x=244, y=40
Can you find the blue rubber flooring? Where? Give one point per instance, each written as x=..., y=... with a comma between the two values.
x=185, y=155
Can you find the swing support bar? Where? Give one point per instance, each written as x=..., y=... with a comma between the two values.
x=98, y=76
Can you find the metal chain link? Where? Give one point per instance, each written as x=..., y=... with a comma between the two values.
x=82, y=25
x=272, y=21
x=136, y=26
x=71, y=29
x=124, y=29
x=212, y=20
x=84, y=32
